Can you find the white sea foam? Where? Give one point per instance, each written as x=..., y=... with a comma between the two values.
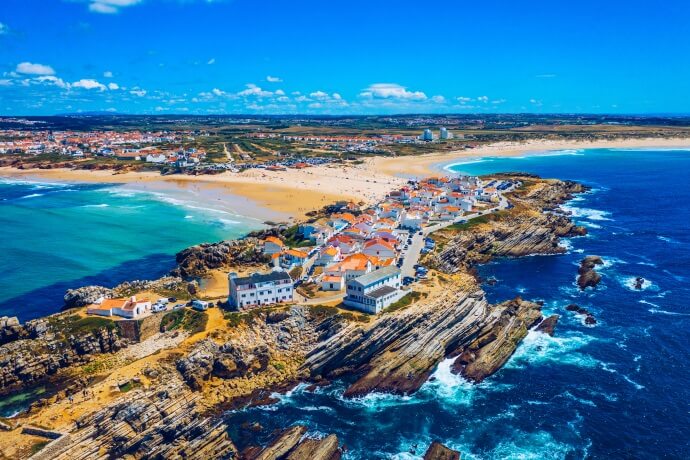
x=33, y=195
x=587, y=213
x=667, y=239
x=586, y=402
x=538, y=348
x=530, y=446
x=102, y=205
x=629, y=282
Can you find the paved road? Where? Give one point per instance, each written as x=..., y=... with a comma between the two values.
x=412, y=254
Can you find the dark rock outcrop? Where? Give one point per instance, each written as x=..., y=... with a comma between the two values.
x=438, y=451
x=86, y=295
x=548, y=325
x=639, y=283
x=588, y=316
x=198, y=260
x=588, y=276
x=10, y=329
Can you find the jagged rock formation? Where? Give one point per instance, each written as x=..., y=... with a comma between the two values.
x=164, y=422
x=397, y=353
x=45, y=347
x=291, y=444
x=197, y=260
x=548, y=325
x=497, y=341
x=588, y=276
x=86, y=295
x=639, y=283
x=438, y=451
x=524, y=230
x=226, y=361
x=10, y=329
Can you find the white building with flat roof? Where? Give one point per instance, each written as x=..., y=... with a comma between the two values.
x=260, y=289
x=374, y=291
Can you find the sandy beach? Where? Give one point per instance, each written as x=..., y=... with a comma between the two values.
x=425, y=165
x=283, y=195
x=286, y=194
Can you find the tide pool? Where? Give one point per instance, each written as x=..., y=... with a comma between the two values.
x=616, y=390
x=56, y=236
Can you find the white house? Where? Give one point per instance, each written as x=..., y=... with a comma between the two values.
x=378, y=247
x=260, y=289
x=156, y=158
x=126, y=308
x=332, y=283
x=374, y=291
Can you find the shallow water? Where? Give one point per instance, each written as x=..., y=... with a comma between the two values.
x=55, y=236
x=616, y=390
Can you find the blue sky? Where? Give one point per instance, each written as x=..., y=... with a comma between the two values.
x=344, y=56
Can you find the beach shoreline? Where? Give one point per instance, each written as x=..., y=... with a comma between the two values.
x=291, y=194
x=434, y=163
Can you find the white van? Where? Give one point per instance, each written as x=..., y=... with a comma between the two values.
x=199, y=305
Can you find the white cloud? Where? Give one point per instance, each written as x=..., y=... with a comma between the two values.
x=5, y=82
x=88, y=83
x=218, y=92
x=483, y=99
x=283, y=99
x=337, y=96
x=271, y=79
x=280, y=92
x=498, y=101
x=110, y=6
x=302, y=99
x=438, y=99
x=319, y=95
x=53, y=80
x=113, y=86
x=392, y=91
x=464, y=100
x=30, y=68
x=211, y=61
x=138, y=92
x=315, y=105
x=108, y=74
x=253, y=90
x=535, y=102
x=4, y=30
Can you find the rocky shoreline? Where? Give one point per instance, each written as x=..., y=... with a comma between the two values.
x=243, y=357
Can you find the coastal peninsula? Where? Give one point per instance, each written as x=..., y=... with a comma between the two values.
x=129, y=385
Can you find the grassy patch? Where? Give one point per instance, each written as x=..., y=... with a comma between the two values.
x=323, y=311
x=362, y=318
x=491, y=217
x=76, y=325
x=293, y=239
x=38, y=446
x=404, y=302
x=184, y=319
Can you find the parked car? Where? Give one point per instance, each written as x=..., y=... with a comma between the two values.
x=162, y=301
x=158, y=307
x=172, y=299
x=420, y=233
x=178, y=306
x=407, y=280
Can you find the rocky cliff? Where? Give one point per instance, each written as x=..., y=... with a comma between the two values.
x=197, y=260
x=162, y=422
x=292, y=444
x=45, y=346
x=398, y=352
x=533, y=226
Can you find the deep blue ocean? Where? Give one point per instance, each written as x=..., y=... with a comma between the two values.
x=620, y=389
x=56, y=236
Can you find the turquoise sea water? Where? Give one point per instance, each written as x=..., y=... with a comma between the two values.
x=617, y=390
x=55, y=236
